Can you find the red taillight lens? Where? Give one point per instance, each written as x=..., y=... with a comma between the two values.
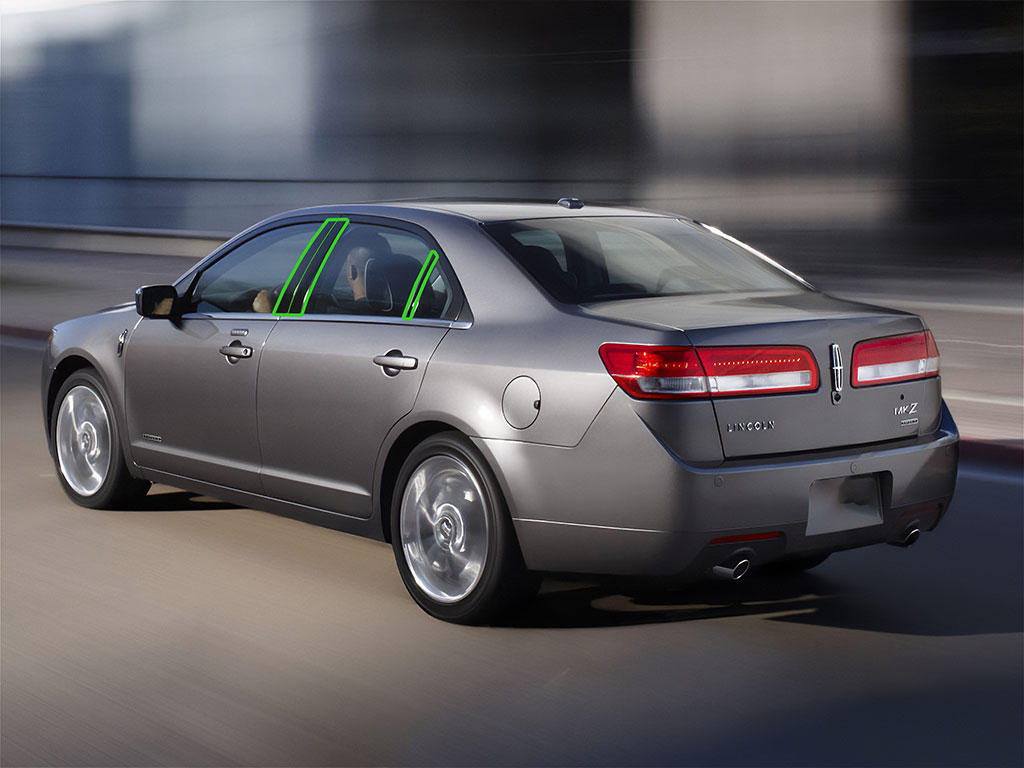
x=686, y=372
x=653, y=373
x=736, y=371
x=895, y=358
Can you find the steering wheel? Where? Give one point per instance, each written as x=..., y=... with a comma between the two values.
x=326, y=304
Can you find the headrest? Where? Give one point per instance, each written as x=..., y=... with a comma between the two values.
x=374, y=242
x=389, y=282
x=546, y=270
x=538, y=260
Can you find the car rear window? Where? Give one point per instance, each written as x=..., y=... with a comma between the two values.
x=580, y=260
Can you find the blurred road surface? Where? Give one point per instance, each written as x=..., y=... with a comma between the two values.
x=189, y=632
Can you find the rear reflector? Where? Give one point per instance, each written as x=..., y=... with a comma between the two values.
x=927, y=509
x=895, y=358
x=679, y=373
x=758, y=370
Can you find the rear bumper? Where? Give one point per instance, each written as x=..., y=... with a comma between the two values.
x=621, y=503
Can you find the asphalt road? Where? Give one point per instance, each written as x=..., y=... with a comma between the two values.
x=189, y=632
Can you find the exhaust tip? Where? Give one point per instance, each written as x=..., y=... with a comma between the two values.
x=732, y=570
x=910, y=537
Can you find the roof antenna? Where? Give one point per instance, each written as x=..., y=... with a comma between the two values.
x=571, y=202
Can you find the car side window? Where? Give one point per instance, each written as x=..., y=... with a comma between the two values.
x=384, y=272
x=250, y=277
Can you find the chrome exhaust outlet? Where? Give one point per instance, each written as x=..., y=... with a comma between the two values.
x=910, y=537
x=732, y=569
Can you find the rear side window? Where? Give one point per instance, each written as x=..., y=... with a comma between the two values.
x=579, y=260
x=384, y=272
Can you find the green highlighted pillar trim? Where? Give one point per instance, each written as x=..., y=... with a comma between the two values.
x=417, y=288
x=300, y=284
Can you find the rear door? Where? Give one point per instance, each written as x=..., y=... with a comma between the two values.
x=334, y=380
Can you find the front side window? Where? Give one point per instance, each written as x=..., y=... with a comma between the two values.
x=384, y=272
x=252, y=276
x=579, y=260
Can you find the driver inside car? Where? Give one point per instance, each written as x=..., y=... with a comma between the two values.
x=363, y=248
x=359, y=251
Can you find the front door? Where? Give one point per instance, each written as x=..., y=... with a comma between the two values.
x=190, y=384
x=191, y=397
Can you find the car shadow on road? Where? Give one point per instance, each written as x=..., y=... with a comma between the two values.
x=613, y=602
x=179, y=501
x=805, y=598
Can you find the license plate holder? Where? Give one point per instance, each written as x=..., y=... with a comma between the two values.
x=844, y=503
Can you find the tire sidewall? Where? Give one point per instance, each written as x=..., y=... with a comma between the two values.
x=502, y=549
x=117, y=471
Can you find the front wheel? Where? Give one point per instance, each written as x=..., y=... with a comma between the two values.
x=87, y=446
x=452, y=534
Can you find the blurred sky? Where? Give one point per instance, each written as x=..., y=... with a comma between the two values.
x=209, y=115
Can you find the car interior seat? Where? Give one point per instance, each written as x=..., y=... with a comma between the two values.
x=390, y=280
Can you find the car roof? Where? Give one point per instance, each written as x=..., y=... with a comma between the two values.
x=483, y=210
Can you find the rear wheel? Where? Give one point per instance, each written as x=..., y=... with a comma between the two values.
x=87, y=446
x=452, y=534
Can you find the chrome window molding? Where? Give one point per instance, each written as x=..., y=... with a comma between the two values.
x=372, y=319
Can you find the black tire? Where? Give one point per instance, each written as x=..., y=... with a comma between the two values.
x=796, y=565
x=118, y=488
x=504, y=583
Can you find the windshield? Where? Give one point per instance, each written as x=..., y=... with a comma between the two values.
x=579, y=260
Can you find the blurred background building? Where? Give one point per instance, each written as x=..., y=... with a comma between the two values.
x=207, y=116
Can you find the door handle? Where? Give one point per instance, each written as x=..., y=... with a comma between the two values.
x=395, y=361
x=236, y=350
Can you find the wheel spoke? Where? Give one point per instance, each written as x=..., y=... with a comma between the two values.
x=425, y=510
x=459, y=560
x=71, y=408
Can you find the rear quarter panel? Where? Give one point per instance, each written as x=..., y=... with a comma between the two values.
x=517, y=331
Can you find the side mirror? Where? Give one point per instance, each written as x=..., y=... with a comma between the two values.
x=156, y=301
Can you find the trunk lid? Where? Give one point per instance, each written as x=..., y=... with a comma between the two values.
x=758, y=425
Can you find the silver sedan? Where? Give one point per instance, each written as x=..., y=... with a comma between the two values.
x=505, y=389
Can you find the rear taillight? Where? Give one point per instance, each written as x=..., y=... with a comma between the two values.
x=758, y=370
x=677, y=373
x=895, y=358
x=655, y=373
